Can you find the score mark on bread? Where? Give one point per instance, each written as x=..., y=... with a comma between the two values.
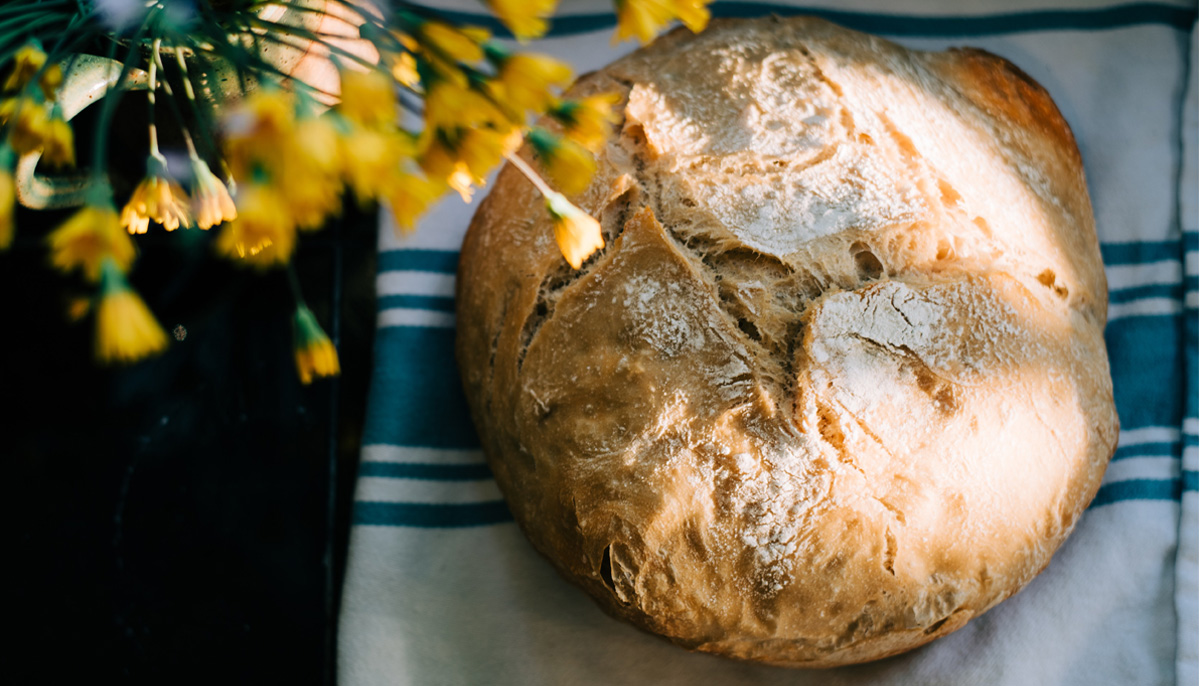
x=837, y=382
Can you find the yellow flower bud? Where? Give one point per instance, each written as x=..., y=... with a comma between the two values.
x=409, y=196
x=525, y=18
x=577, y=233
x=643, y=19
x=26, y=62
x=157, y=199
x=31, y=126
x=264, y=233
x=567, y=163
x=88, y=238
x=8, y=196
x=59, y=144
x=588, y=121
x=524, y=80
x=126, y=331
x=51, y=80
x=457, y=43
x=211, y=203
x=368, y=97
x=315, y=353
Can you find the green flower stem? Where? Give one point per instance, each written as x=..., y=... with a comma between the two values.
x=168, y=91
x=530, y=174
x=34, y=7
x=264, y=67
x=273, y=27
x=26, y=27
x=70, y=32
x=152, y=83
x=111, y=97
x=202, y=118
x=368, y=17
x=294, y=284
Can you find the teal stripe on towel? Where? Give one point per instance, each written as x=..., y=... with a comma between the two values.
x=1167, y=449
x=416, y=395
x=1145, y=356
x=1140, y=252
x=1119, y=16
x=431, y=516
x=441, y=261
x=1172, y=291
x=1138, y=489
x=437, y=303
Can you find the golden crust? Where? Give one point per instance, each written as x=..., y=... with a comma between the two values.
x=837, y=384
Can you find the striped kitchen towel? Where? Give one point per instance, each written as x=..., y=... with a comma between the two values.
x=442, y=588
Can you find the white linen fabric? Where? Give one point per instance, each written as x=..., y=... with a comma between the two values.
x=442, y=588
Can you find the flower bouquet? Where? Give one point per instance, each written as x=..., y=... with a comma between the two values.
x=282, y=111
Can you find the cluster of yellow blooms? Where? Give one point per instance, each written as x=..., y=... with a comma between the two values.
x=293, y=160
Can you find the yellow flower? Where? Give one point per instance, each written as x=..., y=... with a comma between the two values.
x=88, y=238
x=569, y=165
x=264, y=233
x=59, y=143
x=645, y=18
x=577, y=233
x=315, y=353
x=126, y=331
x=588, y=121
x=30, y=127
x=461, y=43
x=368, y=97
x=50, y=81
x=440, y=159
x=156, y=198
x=26, y=62
x=316, y=145
x=448, y=105
x=463, y=157
x=211, y=203
x=8, y=196
x=311, y=199
x=259, y=131
x=370, y=156
x=524, y=80
x=525, y=18
x=308, y=174
x=409, y=196
x=404, y=70
x=482, y=149
x=693, y=13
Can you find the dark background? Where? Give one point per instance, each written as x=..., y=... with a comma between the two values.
x=184, y=519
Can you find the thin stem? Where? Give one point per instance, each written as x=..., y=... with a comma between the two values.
x=367, y=16
x=294, y=283
x=31, y=8
x=202, y=117
x=152, y=80
x=76, y=19
x=27, y=26
x=187, y=136
x=530, y=174
x=268, y=68
x=187, y=80
x=112, y=94
x=273, y=27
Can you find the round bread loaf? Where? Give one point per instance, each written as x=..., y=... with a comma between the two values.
x=837, y=382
